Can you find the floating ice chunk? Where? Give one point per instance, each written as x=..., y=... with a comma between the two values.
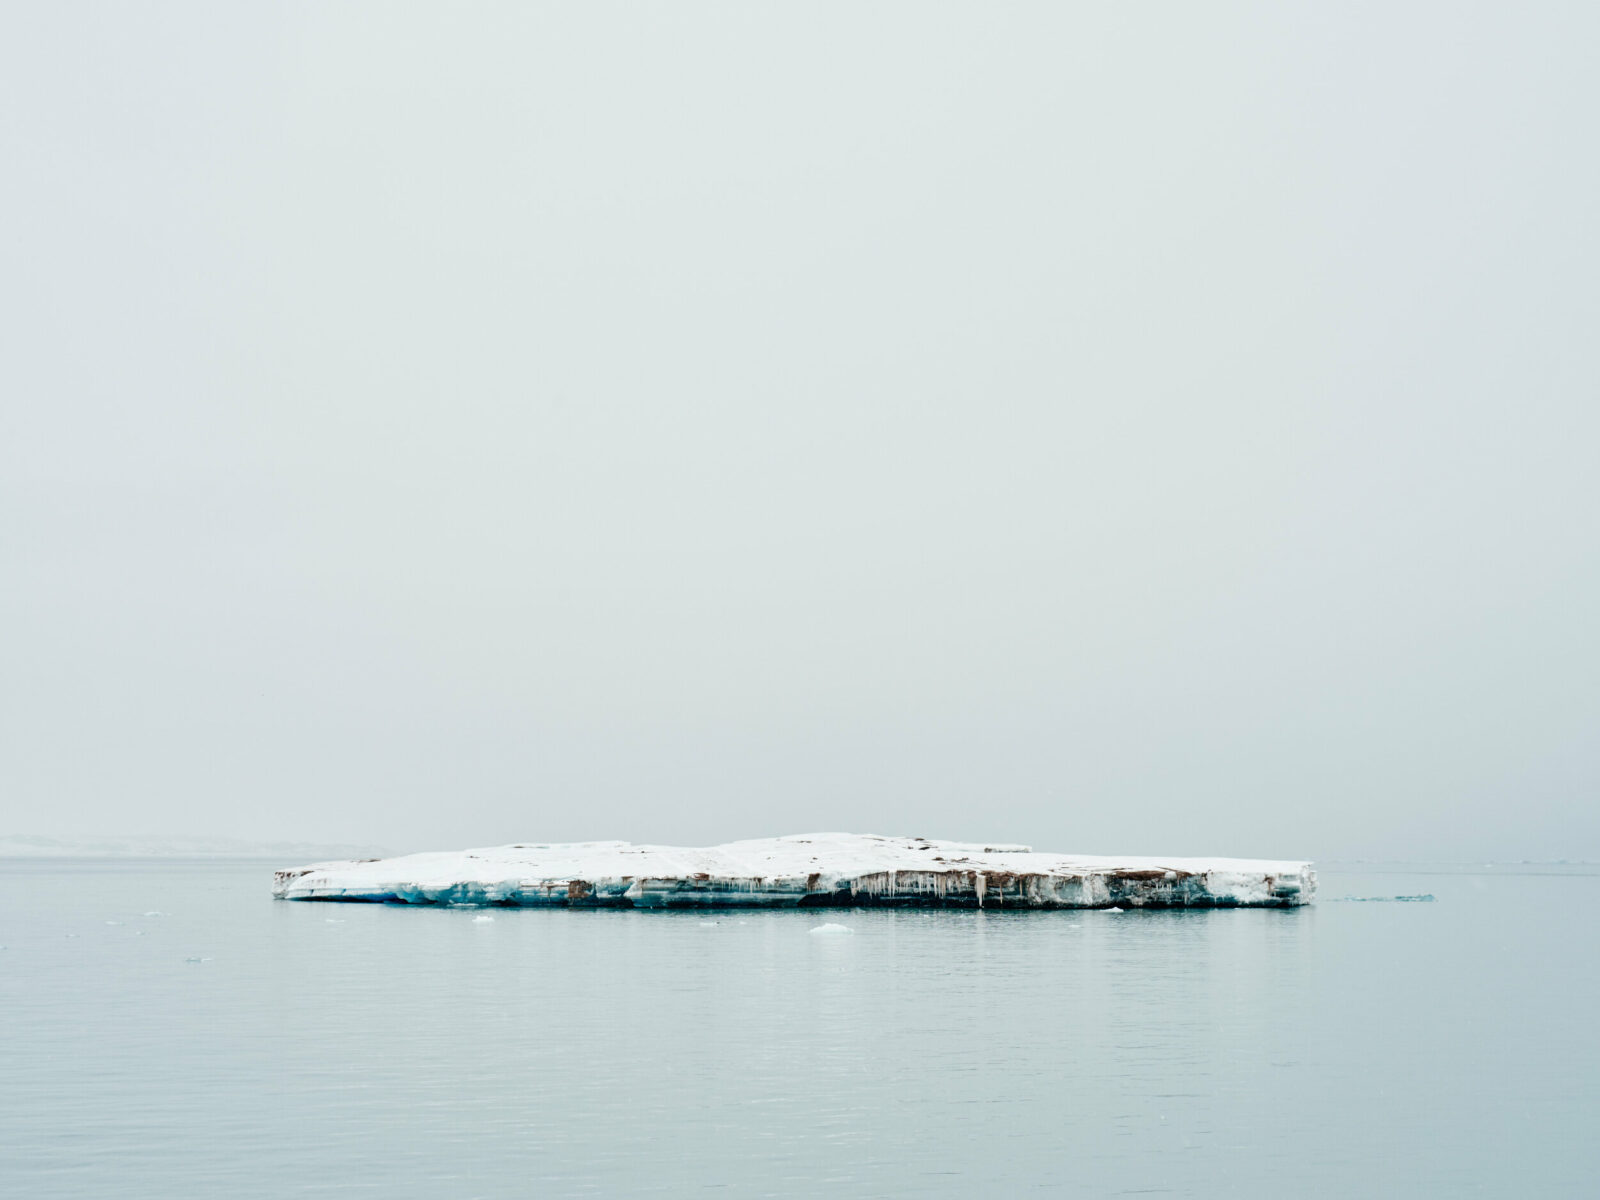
x=333, y=920
x=709, y=924
x=113, y=922
x=831, y=927
x=1113, y=908
x=157, y=914
x=482, y=919
x=196, y=960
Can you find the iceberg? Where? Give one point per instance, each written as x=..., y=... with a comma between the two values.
x=818, y=870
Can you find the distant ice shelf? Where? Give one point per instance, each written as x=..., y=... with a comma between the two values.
x=822, y=870
x=19, y=845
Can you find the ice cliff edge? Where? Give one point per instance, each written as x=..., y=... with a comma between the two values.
x=802, y=870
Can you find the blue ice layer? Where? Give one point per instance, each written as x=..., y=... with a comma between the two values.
x=938, y=889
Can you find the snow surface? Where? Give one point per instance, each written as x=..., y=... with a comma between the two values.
x=826, y=869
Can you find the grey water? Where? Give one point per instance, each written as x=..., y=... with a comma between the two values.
x=167, y=1030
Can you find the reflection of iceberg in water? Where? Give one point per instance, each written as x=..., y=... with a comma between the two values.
x=838, y=870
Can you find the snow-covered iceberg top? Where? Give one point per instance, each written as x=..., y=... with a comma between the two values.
x=816, y=869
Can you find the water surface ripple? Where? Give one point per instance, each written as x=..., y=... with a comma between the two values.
x=166, y=1029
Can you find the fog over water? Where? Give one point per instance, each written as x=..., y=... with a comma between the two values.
x=1157, y=429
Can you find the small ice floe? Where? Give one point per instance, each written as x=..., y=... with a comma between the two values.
x=831, y=927
x=709, y=924
x=333, y=920
x=196, y=960
x=113, y=922
x=1114, y=908
x=1425, y=898
x=481, y=920
x=156, y=913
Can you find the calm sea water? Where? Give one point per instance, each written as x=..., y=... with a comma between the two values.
x=1438, y=1048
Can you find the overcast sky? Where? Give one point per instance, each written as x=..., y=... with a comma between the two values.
x=1116, y=427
